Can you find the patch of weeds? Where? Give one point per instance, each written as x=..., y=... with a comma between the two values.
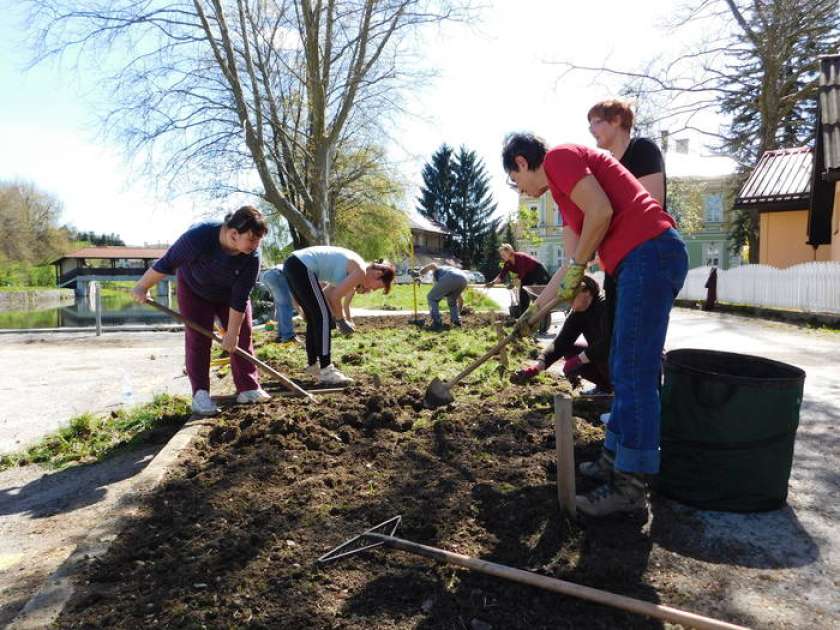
x=505, y=488
x=88, y=438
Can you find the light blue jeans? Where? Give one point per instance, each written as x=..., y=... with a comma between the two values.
x=648, y=281
x=284, y=309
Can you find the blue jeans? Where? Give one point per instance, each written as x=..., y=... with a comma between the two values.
x=284, y=310
x=648, y=280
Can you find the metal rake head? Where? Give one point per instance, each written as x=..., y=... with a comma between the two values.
x=360, y=543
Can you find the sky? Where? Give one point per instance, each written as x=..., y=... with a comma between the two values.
x=494, y=76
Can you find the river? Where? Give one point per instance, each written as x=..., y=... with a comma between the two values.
x=117, y=310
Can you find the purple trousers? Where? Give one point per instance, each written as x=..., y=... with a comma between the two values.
x=197, y=346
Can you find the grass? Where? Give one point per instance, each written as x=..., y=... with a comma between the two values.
x=401, y=298
x=88, y=438
x=411, y=355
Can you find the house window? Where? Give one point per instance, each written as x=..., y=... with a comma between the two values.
x=713, y=208
x=711, y=253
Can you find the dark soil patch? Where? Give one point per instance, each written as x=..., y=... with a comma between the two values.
x=231, y=540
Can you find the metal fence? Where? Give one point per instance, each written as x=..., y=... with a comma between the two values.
x=811, y=287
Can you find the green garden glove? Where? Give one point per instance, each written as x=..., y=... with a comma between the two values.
x=524, y=327
x=571, y=282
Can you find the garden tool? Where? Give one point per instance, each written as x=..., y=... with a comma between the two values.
x=299, y=391
x=416, y=321
x=438, y=392
x=383, y=534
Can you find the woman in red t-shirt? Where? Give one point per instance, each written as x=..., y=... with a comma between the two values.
x=606, y=210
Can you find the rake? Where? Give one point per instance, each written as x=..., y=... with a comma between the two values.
x=383, y=534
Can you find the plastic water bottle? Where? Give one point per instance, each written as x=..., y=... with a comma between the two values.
x=127, y=391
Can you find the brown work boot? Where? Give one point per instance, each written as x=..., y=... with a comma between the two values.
x=625, y=492
x=601, y=468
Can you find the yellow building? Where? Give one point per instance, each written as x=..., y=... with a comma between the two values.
x=544, y=238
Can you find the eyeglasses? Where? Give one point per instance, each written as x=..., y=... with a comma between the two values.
x=511, y=183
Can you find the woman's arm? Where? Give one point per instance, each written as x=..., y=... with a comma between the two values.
x=346, y=304
x=232, y=333
x=355, y=277
x=140, y=291
x=597, y=214
x=570, y=242
x=427, y=269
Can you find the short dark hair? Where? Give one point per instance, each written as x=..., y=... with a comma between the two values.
x=529, y=146
x=591, y=286
x=247, y=219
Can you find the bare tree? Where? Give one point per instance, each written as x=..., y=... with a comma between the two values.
x=757, y=66
x=277, y=98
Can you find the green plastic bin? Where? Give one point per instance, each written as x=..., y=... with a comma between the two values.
x=728, y=428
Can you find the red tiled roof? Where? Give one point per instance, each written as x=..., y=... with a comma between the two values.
x=781, y=177
x=113, y=251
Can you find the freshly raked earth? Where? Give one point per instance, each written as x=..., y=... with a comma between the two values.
x=231, y=539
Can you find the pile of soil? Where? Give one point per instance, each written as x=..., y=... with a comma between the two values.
x=231, y=540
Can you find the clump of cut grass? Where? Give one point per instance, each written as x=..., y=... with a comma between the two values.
x=401, y=297
x=88, y=438
x=410, y=355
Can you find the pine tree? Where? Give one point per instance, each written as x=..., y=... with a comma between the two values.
x=490, y=259
x=471, y=218
x=510, y=237
x=435, y=201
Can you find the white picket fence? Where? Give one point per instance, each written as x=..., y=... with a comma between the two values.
x=811, y=287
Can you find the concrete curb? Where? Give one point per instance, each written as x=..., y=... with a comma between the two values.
x=44, y=607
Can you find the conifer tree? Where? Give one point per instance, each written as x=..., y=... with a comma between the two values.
x=471, y=216
x=435, y=199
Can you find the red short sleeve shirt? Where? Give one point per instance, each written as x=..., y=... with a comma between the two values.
x=637, y=217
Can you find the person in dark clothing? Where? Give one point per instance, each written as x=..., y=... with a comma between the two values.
x=590, y=361
x=610, y=123
x=216, y=266
x=528, y=269
x=711, y=290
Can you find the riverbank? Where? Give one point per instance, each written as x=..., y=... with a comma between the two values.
x=34, y=298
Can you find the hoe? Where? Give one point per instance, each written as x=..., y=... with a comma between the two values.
x=290, y=385
x=438, y=392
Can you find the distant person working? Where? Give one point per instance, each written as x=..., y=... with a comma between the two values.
x=450, y=283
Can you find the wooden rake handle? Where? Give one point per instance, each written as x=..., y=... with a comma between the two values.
x=656, y=611
x=545, y=310
x=238, y=351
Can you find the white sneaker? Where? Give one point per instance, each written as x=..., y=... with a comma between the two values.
x=203, y=405
x=252, y=396
x=314, y=370
x=331, y=375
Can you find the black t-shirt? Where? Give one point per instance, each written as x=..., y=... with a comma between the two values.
x=643, y=157
x=593, y=325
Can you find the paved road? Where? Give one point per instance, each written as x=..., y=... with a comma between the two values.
x=47, y=378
